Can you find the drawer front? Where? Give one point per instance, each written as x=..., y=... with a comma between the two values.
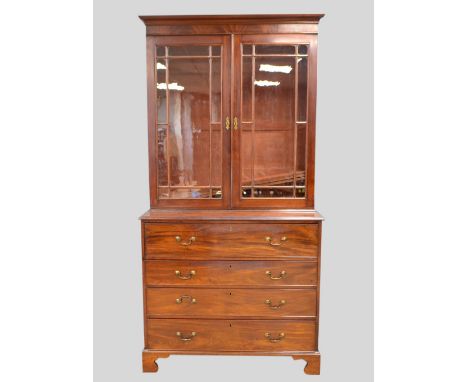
x=235, y=302
x=231, y=335
x=230, y=240
x=239, y=273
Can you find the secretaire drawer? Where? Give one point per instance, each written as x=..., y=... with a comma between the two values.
x=233, y=302
x=228, y=240
x=231, y=335
x=249, y=273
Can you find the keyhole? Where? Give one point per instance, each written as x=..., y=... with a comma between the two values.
x=230, y=293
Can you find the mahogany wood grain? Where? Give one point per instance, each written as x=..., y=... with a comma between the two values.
x=312, y=366
x=233, y=303
x=274, y=216
x=208, y=241
x=223, y=300
x=149, y=361
x=231, y=335
x=227, y=24
x=230, y=273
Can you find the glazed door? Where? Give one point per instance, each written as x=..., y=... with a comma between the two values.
x=274, y=111
x=189, y=93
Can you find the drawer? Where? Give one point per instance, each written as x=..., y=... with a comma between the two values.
x=235, y=302
x=231, y=335
x=230, y=240
x=240, y=273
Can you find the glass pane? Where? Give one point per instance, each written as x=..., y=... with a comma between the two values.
x=246, y=49
x=216, y=155
x=273, y=139
x=273, y=193
x=301, y=155
x=246, y=89
x=302, y=49
x=193, y=50
x=189, y=122
x=275, y=49
x=183, y=193
x=216, y=90
x=216, y=50
x=160, y=51
x=275, y=124
x=300, y=192
x=246, y=154
x=246, y=192
x=302, y=89
x=161, y=99
x=216, y=193
x=162, y=155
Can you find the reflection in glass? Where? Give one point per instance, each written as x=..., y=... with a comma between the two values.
x=161, y=93
x=275, y=49
x=194, y=50
x=273, y=143
x=183, y=193
x=189, y=134
x=160, y=51
x=302, y=49
x=162, y=155
x=274, y=125
x=273, y=193
x=246, y=89
x=216, y=90
x=246, y=49
x=300, y=156
x=216, y=50
x=302, y=89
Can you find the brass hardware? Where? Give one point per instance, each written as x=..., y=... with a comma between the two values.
x=186, y=338
x=269, y=240
x=228, y=123
x=189, y=276
x=190, y=240
x=235, y=123
x=282, y=274
x=281, y=303
x=181, y=299
x=277, y=339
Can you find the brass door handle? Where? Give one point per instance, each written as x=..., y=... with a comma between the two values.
x=185, y=243
x=282, y=275
x=281, y=303
x=272, y=339
x=235, y=123
x=186, y=338
x=181, y=299
x=269, y=240
x=187, y=277
x=228, y=123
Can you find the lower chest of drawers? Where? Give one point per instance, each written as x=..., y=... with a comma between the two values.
x=231, y=288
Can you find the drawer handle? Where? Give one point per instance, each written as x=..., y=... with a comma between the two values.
x=187, y=277
x=272, y=339
x=281, y=303
x=186, y=338
x=269, y=240
x=181, y=299
x=282, y=275
x=185, y=243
